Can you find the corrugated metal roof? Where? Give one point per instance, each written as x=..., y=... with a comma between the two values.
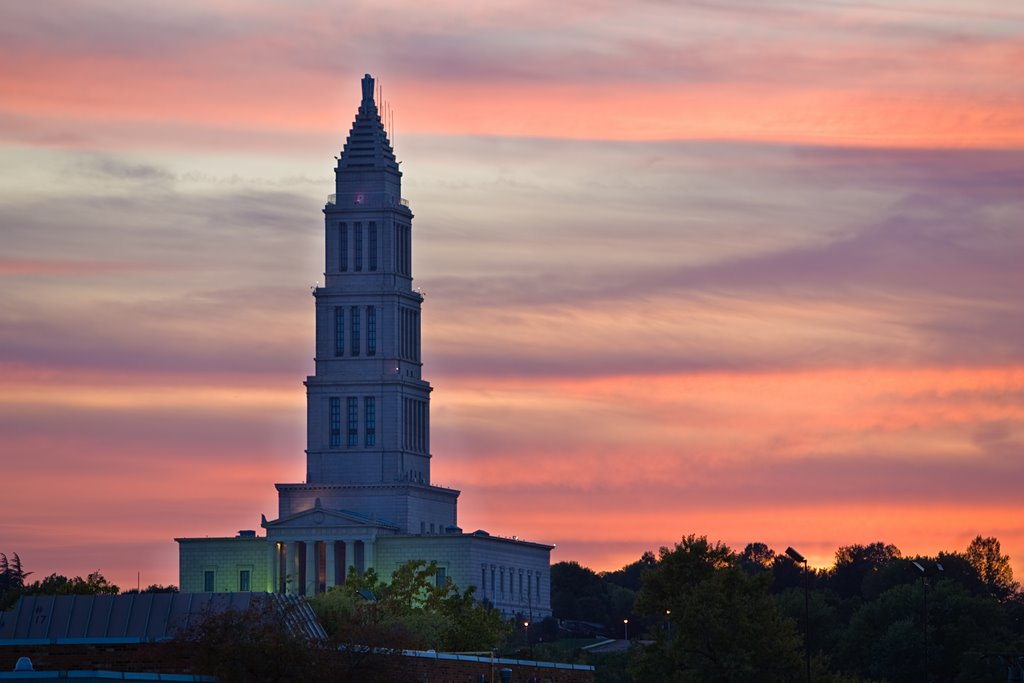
x=138, y=617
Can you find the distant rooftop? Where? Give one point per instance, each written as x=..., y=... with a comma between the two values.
x=142, y=617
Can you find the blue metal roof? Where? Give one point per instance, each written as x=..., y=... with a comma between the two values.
x=142, y=617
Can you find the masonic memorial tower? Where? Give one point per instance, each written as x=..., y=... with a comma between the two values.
x=368, y=500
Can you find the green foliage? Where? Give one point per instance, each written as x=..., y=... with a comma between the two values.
x=154, y=588
x=12, y=579
x=255, y=645
x=13, y=584
x=856, y=564
x=409, y=611
x=993, y=568
x=631, y=576
x=57, y=584
x=723, y=624
x=740, y=617
x=757, y=557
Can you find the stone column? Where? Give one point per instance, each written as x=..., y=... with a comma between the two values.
x=273, y=560
x=311, y=568
x=350, y=555
x=368, y=558
x=331, y=564
x=291, y=562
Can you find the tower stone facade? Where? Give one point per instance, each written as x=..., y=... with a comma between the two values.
x=368, y=500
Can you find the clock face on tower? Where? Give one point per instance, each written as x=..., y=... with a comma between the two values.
x=359, y=198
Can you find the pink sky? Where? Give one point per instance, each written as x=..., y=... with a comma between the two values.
x=746, y=269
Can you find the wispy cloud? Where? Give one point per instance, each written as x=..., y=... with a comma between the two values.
x=720, y=267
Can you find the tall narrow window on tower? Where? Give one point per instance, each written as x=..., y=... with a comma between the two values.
x=403, y=252
x=354, y=351
x=407, y=231
x=353, y=421
x=371, y=246
x=339, y=331
x=416, y=336
x=335, y=421
x=357, y=246
x=398, y=249
x=342, y=247
x=370, y=410
x=371, y=331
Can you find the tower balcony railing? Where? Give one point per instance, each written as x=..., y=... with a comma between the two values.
x=333, y=199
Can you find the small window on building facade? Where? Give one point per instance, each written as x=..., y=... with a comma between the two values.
x=371, y=420
x=208, y=581
x=353, y=422
x=538, y=584
x=483, y=580
x=339, y=331
x=244, y=580
x=371, y=331
x=335, y=421
x=441, y=577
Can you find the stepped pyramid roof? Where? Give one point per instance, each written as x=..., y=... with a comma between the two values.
x=367, y=145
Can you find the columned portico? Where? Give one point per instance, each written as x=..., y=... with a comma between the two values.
x=319, y=545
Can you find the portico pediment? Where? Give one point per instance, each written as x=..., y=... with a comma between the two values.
x=341, y=522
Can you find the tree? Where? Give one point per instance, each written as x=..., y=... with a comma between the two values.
x=12, y=579
x=57, y=584
x=154, y=588
x=723, y=623
x=410, y=611
x=985, y=555
x=757, y=557
x=631, y=576
x=885, y=637
x=855, y=563
x=255, y=645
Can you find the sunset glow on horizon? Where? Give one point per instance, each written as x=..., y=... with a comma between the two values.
x=750, y=270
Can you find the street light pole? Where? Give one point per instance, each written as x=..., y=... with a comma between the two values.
x=924, y=584
x=625, y=627
x=797, y=557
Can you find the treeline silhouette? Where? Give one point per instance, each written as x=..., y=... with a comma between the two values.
x=699, y=611
x=14, y=583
